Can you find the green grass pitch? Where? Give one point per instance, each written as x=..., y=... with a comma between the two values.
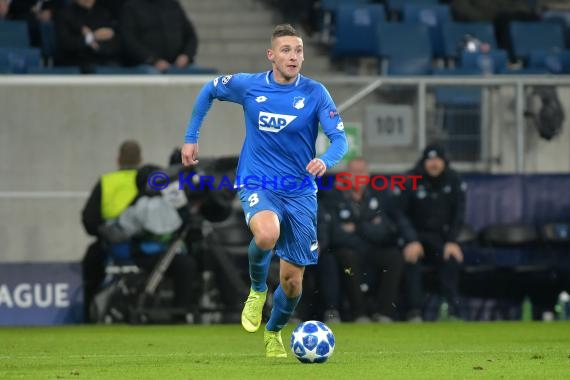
x=365, y=351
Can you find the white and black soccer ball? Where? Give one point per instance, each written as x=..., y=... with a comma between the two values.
x=312, y=342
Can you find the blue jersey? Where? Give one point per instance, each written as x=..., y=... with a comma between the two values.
x=281, y=128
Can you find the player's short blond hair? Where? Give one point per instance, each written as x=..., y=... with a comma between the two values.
x=284, y=30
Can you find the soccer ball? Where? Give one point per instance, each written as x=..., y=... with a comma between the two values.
x=312, y=342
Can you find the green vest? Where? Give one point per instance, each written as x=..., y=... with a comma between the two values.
x=118, y=189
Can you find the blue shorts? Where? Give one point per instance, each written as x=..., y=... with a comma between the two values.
x=297, y=242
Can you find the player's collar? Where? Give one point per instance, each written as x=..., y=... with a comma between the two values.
x=269, y=82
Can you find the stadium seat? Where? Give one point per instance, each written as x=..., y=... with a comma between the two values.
x=58, y=70
x=329, y=13
x=527, y=37
x=458, y=115
x=19, y=60
x=191, y=70
x=356, y=30
x=119, y=70
x=397, y=6
x=493, y=62
x=14, y=34
x=406, y=48
x=454, y=32
x=332, y=5
x=433, y=17
x=553, y=62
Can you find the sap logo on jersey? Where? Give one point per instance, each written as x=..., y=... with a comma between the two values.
x=274, y=122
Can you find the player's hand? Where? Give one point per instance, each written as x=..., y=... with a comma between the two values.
x=316, y=167
x=189, y=154
x=413, y=251
x=452, y=250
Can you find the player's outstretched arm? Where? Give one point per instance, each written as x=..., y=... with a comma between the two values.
x=229, y=88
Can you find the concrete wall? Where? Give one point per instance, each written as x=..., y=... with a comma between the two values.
x=58, y=137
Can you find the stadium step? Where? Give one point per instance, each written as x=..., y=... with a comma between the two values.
x=234, y=35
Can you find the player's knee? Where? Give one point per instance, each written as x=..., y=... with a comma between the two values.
x=266, y=239
x=292, y=286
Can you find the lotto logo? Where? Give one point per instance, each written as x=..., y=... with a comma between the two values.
x=274, y=122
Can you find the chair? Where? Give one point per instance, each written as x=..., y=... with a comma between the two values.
x=191, y=70
x=57, y=70
x=552, y=62
x=406, y=48
x=493, y=62
x=397, y=6
x=527, y=37
x=433, y=17
x=120, y=70
x=454, y=32
x=356, y=30
x=14, y=34
x=20, y=60
x=458, y=115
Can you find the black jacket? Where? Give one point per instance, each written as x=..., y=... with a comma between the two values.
x=22, y=9
x=436, y=207
x=343, y=209
x=91, y=214
x=71, y=42
x=157, y=29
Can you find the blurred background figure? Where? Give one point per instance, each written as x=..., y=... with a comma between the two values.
x=433, y=215
x=112, y=194
x=158, y=33
x=87, y=36
x=363, y=251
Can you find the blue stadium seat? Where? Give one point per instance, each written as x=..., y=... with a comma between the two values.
x=432, y=16
x=356, y=30
x=493, y=62
x=406, y=47
x=552, y=62
x=20, y=60
x=14, y=34
x=458, y=115
x=119, y=70
x=398, y=5
x=454, y=32
x=332, y=5
x=535, y=36
x=57, y=70
x=191, y=70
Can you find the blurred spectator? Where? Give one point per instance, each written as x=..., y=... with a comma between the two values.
x=34, y=12
x=363, y=249
x=4, y=9
x=433, y=217
x=500, y=12
x=86, y=36
x=112, y=194
x=115, y=8
x=158, y=33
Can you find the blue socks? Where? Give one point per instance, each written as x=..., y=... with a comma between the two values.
x=283, y=307
x=259, y=261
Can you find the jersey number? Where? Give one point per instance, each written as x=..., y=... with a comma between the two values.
x=253, y=199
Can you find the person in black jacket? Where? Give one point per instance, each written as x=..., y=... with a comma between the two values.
x=86, y=36
x=158, y=33
x=433, y=216
x=363, y=242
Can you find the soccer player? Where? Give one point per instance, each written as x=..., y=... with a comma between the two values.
x=282, y=111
